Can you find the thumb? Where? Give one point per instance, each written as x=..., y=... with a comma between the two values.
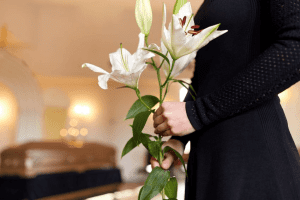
x=167, y=162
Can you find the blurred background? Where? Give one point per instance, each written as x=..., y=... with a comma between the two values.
x=46, y=97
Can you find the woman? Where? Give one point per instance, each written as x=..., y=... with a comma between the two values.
x=241, y=147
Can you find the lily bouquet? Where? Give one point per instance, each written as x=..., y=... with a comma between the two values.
x=179, y=44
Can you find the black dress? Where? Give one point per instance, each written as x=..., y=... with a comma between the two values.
x=242, y=148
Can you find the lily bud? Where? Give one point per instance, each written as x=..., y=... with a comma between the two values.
x=143, y=15
x=178, y=5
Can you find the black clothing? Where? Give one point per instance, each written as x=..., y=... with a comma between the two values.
x=242, y=148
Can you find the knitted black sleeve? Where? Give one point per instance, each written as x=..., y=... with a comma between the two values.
x=272, y=72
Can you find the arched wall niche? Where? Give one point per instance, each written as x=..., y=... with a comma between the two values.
x=15, y=74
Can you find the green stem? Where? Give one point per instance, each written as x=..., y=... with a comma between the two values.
x=153, y=63
x=160, y=102
x=166, y=91
x=140, y=98
x=161, y=157
x=163, y=61
x=160, y=88
x=167, y=80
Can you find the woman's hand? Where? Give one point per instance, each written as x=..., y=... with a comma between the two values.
x=169, y=156
x=171, y=119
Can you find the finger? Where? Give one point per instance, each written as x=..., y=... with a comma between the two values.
x=162, y=127
x=167, y=133
x=158, y=112
x=154, y=162
x=167, y=162
x=158, y=120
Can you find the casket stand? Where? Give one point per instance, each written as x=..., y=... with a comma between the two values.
x=58, y=170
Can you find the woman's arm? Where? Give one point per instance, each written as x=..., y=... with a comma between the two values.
x=272, y=72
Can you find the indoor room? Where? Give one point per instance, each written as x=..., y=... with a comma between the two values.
x=68, y=130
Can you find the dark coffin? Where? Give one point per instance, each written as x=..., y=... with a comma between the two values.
x=41, y=169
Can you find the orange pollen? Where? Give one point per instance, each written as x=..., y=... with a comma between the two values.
x=195, y=27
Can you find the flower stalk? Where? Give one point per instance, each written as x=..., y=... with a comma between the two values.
x=179, y=45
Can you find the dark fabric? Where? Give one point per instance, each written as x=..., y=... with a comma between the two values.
x=242, y=148
x=95, y=178
x=12, y=188
x=16, y=188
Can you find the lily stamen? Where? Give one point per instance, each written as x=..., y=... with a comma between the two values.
x=182, y=21
x=195, y=27
x=124, y=61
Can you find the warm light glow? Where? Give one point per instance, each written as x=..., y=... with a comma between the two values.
x=123, y=194
x=83, y=110
x=182, y=93
x=73, y=131
x=85, y=107
x=187, y=148
x=83, y=131
x=148, y=168
x=109, y=196
x=63, y=132
x=5, y=110
x=73, y=122
x=1, y=110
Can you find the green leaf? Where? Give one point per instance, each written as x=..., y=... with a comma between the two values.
x=178, y=5
x=167, y=148
x=154, y=184
x=139, y=123
x=158, y=53
x=139, y=107
x=144, y=139
x=171, y=188
x=154, y=149
x=140, y=192
x=181, y=82
x=131, y=144
x=146, y=189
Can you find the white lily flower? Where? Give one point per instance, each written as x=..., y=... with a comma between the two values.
x=126, y=68
x=181, y=39
x=180, y=64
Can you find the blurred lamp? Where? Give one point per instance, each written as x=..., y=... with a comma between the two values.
x=1, y=110
x=83, y=110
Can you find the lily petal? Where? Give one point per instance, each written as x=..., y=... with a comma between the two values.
x=178, y=38
x=119, y=60
x=165, y=33
x=141, y=41
x=94, y=68
x=167, y=40
x=182, y=63
x=186, y=11
x=165, y=66
x=202, y=39
x=102, y=81
x=154, y=47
